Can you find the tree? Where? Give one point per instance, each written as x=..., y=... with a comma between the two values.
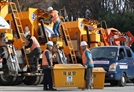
x=25, y=4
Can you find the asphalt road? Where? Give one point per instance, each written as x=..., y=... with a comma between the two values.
x=24, y=88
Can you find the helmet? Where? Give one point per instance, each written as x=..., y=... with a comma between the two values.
x=83, y=43
x=49, y=9
x=27, y=33
x=50, y=43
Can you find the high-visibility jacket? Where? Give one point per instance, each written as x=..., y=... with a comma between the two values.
x=44, y=59
x=84, y=59
x=55, y=16
x=35, y=43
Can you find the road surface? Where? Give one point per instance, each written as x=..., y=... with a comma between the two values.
x=24, y=88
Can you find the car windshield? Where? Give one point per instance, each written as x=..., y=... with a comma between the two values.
x=104, y=53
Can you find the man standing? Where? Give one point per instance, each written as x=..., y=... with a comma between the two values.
x=55, y=19
x=47, y=64
x=88, y=63
x=34, y=55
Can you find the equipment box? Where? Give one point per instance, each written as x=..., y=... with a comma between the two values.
x=98, y=78
x=69, y=75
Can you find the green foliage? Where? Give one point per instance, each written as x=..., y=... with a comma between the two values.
x=123, y=22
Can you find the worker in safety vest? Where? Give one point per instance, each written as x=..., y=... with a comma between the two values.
x=47, y=65
x=88, y=63
x=35, y=51
x=55, y=19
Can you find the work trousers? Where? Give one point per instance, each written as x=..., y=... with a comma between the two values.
x=56, y=28
x=47, y=78
x=88, y=77
x=34, y=56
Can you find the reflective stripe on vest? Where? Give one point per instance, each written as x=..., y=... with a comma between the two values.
x=44, y=59
x=84, y=58
x=34, y=44
x=55, y=17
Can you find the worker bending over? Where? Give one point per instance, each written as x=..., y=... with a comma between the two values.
x=54, y=17
x=47, y=65
x=88, y=63
x=34, y=55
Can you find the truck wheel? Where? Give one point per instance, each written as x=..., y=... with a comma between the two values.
x=29, y=80
x=114, y=83
x=132, y=80
x=18, y=80
x=122, y=81
x=39, y=79
x=5, y=78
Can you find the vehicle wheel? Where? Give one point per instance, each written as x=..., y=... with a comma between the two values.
x=132, y=80
x=29, y=80
x=5, y=78
x=123, y=80
x=114, y=83
x=38, y=80
x=18, y=80
x=41, y=79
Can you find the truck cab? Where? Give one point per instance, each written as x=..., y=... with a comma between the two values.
x=117, y=61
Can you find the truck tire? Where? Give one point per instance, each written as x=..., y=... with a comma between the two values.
x=5, y=78
x=123, y=80
x=114, y=83
x=39, y=79
x=18, y=80
x=132, y=80
x=29, y=80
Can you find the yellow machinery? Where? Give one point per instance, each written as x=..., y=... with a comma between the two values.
x=73, y=32
x=15, y=64
x=16, y=67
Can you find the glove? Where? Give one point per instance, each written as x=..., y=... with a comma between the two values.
x=85, y=66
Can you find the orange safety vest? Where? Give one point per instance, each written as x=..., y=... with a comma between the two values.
x=44, y=59
x=84, y=58
x=35, y=43
x=55, y=17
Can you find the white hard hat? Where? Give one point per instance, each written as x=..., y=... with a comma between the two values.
x=27, y=33
x=83, y=43
x=50, y=43
x=49, y=9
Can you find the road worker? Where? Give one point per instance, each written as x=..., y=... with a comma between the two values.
x=55, y=19
x=47, y=64
x=35, y=51
x=88, y=63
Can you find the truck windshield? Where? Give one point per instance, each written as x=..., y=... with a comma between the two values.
x=103, y=53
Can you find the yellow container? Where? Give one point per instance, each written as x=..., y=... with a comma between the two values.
x=98, y=78
x=92, y=45
x=95, y=37
x=69, y=75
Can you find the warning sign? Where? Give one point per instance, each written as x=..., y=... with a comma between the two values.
x=69, y=78
x=70, y=73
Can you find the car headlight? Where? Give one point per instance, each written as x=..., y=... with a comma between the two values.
x=112, y=67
